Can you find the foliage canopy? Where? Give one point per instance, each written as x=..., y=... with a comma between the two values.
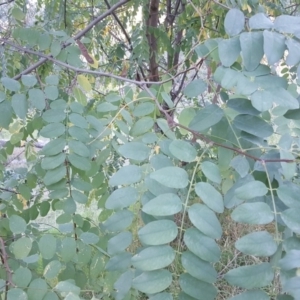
x=146, y=126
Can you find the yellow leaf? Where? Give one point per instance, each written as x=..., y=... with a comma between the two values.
x=22, y=200
x=84, y=83
x=95, y=64
x=156, y=149
x=249, y=8
x=79, y=96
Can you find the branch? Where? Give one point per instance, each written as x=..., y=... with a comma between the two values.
x=7, y=2
x=78, y=70
x=7, y=190
x=4, y=258
x=152, y=22
x=121, y=26
x=76, y=37
x=205, y=139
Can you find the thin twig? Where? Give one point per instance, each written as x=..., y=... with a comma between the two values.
x=7, y=2
x=77, y=70
x=4, y=257
x=205, y=139
x=76, y=37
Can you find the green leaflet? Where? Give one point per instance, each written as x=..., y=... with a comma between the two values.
x=201, y=245
x=163, y=205
x=172, y=177
x=183, y=150
x=229, y=51
x=126, y=175
x=122, y=198
x=153, y=258
x=135, y=150
x=153, y=281
x=250, y=277
x=234, y=22
x=210, y=196
x=205, y=220
x=206, y=117
x=249, y=295
x=196, y=288
x=198, y=268
x=245, y=122
x=247, y=213
x=257, y=243
x=252, y=49
x=195, y=88
x=158, y=232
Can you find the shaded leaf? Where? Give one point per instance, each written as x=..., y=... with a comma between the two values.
x=229, y=51
x=153, y=258
x=163, y=205
x=291, y=219
x=158, y=232
x=257, y=243
x=253, y=125
x=253, y=213
x=234, y=22
x=196, y=288
x=37, y=289
x=21, y=247
x=119, y=242
x=260, y=21
x=210, y=196
x=252, y=49
x=211, y=171
x=291, y=260
x=118, y=221
x=250, y=277
x=126, y=175
x=206, y=117
x=250, y=295
x=201, y=245
x=121, y=198
x=19, y=105
x=274, y=46
x=205, y=220
x=195, y=88
x=251, y=190
x=47, y=246
x=153, y=281
x=17, y=224
x=135, y=150
x=172, y=177
x=183, y=150
x=198, y=268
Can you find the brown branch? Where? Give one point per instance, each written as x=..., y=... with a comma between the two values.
x=121, y=26
x=205, y=139
x=78, y=70
x=76, y=37
x=7, y=2
x=4, y=258
x=152, y=23
x=7, y=190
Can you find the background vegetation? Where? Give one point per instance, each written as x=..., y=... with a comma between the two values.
x=157, y=146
